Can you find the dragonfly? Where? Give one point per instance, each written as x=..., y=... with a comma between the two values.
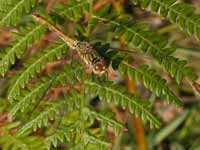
x=87, y=53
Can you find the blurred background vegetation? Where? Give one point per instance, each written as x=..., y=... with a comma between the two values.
x=180, y=128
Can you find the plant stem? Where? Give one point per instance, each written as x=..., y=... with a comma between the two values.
x=139, y=130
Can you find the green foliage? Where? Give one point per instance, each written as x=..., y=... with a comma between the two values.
x=35, y=65
x=177, y=12
x=94, y=140
x=106, y=121
x=29, y=96
x=25, y=38
x=74, y=9
x=170, y=127
x=9, y=142
x=61, y=135
x=42, y=119
x=57, y=106
x=108, y=91
x=138, y=35
x=151, y=80
x=12, y=10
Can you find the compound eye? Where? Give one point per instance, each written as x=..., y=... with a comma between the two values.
x=97, y=67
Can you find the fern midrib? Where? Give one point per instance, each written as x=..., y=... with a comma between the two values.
x=10, y=12
x=32, y=65
x=179, y=14
x=127, y=98
x=20, y=42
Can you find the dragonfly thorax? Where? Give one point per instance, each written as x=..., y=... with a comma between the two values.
x=91, y=57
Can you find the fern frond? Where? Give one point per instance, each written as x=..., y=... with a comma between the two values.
x=88, y=138
x=108, y=90
x=73, y=10
x=91, y=142
x=106, y=121
x=151, y=80
x=25, y=38
x=177, y=68
x=76, y=9
x=92, y=22
x=58, y=136
x=177, y=12
x=62, y=134
x=139, y=36
x=12, y=10
x=25, y=100
x=42, y=119
x=74, y=100
x=9, y=142
x=35, y=65
x=70, y=74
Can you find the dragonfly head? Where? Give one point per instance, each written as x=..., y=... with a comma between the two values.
x=100, y=67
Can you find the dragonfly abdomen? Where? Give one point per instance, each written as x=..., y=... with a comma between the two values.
x=84, y=49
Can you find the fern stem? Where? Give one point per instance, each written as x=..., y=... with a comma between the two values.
x=118, y=142
x=139, y=130
x=81, y=111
